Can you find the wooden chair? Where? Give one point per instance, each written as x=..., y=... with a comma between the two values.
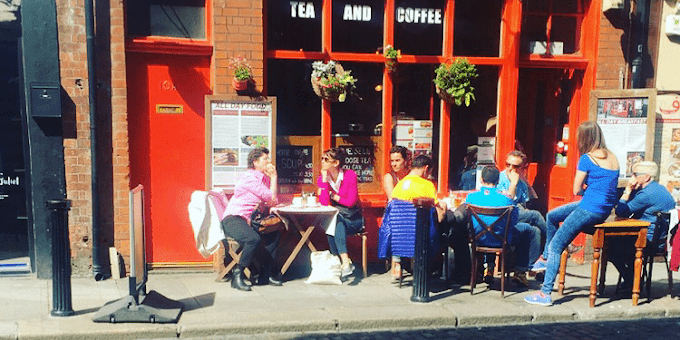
x=233, y=250
x=364, y=256
x=652, y=251
x=503, y=215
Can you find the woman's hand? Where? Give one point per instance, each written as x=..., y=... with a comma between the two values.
x=270, y=170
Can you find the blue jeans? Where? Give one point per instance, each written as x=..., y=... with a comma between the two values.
x=527, y=241
x=534, y=218
x=344, y=227
x=574, y=220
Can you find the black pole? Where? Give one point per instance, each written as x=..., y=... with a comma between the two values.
x=421, y=289
x=61, y=258
x=92, y=89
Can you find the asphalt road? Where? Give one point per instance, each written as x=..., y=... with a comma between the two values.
x=620, y=330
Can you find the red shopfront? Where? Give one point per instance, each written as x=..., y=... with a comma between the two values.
x=523, y=93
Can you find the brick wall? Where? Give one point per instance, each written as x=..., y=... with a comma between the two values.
x=112, y=160
x=611, y=64
x=237, y=31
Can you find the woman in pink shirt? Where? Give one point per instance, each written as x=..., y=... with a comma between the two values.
x=257, y=185
x=338, y=187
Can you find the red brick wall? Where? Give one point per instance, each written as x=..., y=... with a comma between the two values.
x=611, y=63
x=237, y=31
x=112, y=107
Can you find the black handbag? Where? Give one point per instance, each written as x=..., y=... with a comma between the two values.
x=264, y=222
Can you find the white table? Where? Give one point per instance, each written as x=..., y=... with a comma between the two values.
x=319, y=216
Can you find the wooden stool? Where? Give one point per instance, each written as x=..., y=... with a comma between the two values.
x=364, y=256
x=625, y=227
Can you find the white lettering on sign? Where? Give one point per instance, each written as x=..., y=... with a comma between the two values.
x=357, y=13
x=299, y=9
x=419, y=15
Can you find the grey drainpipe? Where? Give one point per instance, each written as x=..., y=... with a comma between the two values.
x=92, y=89
x=641, y=23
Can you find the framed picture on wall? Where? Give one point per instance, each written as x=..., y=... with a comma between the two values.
x=627, y=120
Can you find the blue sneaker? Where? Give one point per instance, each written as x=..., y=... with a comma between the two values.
x=538, y=299
x=539, y=266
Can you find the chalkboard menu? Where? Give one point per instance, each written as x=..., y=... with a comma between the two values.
x=360, y=159
x=294, y=164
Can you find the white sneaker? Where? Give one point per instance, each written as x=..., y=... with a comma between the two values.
x=346, y=269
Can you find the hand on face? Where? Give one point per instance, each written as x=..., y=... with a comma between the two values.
x=633, y=183
x=270, y=170
x=513, y=175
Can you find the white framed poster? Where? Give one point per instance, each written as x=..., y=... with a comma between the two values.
x=235, y=126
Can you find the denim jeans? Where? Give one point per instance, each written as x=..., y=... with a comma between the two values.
x=574, y=220
x=534, y=218
x=344, y=227
x=527, y=241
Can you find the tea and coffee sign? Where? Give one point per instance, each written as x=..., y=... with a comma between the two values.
x=359, y=12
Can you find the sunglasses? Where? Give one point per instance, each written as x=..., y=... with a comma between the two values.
x=326, y=159
x=639, y=174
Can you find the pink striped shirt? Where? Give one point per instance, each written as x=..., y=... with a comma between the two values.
x=249, y=191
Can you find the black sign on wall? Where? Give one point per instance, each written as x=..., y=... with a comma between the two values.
x=360, y=159
x=294, y=164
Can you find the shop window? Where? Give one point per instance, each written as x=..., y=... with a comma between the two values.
x=419, y=26
x=166, y=18
x=477, y=120
x=359, y=115
x=415, y=95
x=294, y=25
x=298, y=108
x=477, y=30
x=552, y=26
x=357, y=25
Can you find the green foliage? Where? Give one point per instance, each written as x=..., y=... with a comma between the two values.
x=455, y=79
x=242, y=70
x=391, y=53
x=331, y=83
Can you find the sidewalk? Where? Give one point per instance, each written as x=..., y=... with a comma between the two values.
x=213, y=308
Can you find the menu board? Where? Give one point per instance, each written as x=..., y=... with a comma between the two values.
x=235, y=126
x=361, y=160
x=294, y=164
x=623, y=116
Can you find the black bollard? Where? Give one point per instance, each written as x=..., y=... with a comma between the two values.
x=421, y=287
x=61, y=258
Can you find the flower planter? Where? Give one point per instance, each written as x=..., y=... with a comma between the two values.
x=445, y=96
x=240, y=84
x=325, y=93
x=391, y=65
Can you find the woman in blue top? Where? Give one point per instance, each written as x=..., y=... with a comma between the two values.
x=596, y=179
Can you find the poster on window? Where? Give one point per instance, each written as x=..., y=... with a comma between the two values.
x=415, y=135
x=623, y=116
x=234, y=127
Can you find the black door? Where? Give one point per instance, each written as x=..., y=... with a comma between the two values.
x=13, y=215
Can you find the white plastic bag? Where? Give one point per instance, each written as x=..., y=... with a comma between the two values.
x=325, y=268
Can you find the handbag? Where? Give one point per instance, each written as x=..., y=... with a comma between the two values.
x=264, y=222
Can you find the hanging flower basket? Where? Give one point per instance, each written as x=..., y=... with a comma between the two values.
x=331, y=82
x=240, y=84
x=453, y=81
x=392, y=56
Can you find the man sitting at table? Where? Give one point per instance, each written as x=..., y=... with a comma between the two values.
x=397, y=232
x=642, y=199
x=513, y=182
x=525, y=238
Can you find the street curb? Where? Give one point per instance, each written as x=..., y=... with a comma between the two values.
x=256, y=328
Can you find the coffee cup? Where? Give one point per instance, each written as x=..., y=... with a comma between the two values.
x=297, y=202
x=311, y=201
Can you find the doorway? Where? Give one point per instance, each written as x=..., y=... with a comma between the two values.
x=544, y=97
x=14, y=242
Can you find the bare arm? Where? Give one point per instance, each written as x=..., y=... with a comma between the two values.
x=388, y=186
x=579, y=180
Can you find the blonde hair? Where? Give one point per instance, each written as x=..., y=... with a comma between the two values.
x=646, y=167
x=590, y=137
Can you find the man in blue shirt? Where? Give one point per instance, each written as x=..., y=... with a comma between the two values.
x=512, y=182
x=642, y=199
x=524, y=237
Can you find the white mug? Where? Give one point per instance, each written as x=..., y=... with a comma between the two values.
x=311, y=201
x=297, y=202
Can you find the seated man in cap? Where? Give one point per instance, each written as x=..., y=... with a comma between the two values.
x=642, y=199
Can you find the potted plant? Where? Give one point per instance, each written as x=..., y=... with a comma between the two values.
x=243, y=74
x=454, y=81
x=392, y=56
x=331, y=82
